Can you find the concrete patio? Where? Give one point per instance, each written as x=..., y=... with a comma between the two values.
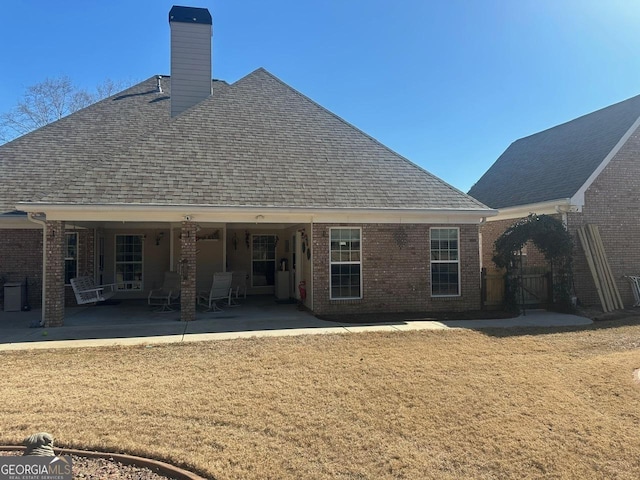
x=134, y=318
x=133, y=322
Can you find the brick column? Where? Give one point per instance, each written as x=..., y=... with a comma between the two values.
x=54, y=277
x=188, y=272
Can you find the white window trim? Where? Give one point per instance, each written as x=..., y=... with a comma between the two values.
x=337, y=299
x=431, y=262
x=115, y=260
x=68, y=234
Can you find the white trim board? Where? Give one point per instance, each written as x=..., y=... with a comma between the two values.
x=256, y=215
x=561, y=205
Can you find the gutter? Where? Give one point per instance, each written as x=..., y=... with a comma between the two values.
x=254, y=214
x=110, y=207
x=19, y=221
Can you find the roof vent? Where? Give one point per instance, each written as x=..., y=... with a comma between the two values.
x=191, y=31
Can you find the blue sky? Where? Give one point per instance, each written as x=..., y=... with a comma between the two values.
x=449, y=84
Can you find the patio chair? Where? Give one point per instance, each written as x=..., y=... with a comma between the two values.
x=220, y=290
x=238, y=283
x=167, y=295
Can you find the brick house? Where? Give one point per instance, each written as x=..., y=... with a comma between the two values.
x=585, y=171
x=187, y=174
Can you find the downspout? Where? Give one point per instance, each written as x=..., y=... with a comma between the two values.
x=482, y=222
x=564, y=211
x=224, y=248
x=32, y=218
x=313, y=261
x=171, y=247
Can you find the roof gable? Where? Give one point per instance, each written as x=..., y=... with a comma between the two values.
x=555, y=163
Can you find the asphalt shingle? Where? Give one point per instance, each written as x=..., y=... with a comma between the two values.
x=555, y=163
x=257, y=142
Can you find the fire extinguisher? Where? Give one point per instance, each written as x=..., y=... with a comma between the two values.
x=302, y=287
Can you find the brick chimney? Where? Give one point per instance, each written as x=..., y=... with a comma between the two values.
x=191, y=31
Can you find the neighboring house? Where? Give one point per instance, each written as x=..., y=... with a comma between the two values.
x=586, y=171
x=190, y=175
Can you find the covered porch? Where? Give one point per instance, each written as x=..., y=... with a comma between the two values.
x=271, y=256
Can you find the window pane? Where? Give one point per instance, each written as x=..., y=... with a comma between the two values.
x=444, y=261
x=444, y=279
x=70, y=270
x=71, y=245
x=345, y=260
x=129, y=257
x=345, y=281
x=70, y=257
x=263, y=273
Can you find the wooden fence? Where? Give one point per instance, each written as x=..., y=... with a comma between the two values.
x=534, y=289
x=493, y=288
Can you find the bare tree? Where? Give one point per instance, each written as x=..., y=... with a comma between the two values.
x=48, y=101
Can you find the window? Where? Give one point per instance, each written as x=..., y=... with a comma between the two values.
x=70, y=257
x=129, y=262
x=345, y=263
x=445, y=264
x=263, y=260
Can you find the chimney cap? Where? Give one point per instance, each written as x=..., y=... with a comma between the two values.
x=190, y=15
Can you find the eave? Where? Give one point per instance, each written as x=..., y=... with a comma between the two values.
x=252, y=214
x=550, y=207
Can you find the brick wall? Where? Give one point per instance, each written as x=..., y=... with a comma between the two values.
x=188, y=272
x=54, y=278
x=490, y=232
x=612, y=202
x=20, y=258
x=86, y=261
x=396, y=270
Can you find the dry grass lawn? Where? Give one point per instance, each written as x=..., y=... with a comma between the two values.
x=445, y=404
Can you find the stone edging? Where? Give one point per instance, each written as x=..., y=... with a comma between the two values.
x=157, y=466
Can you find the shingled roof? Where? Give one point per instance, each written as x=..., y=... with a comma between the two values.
x=555, y=163
x=256, y=142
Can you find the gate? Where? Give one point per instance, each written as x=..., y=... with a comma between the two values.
x=493, y=285
x=533, y=288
